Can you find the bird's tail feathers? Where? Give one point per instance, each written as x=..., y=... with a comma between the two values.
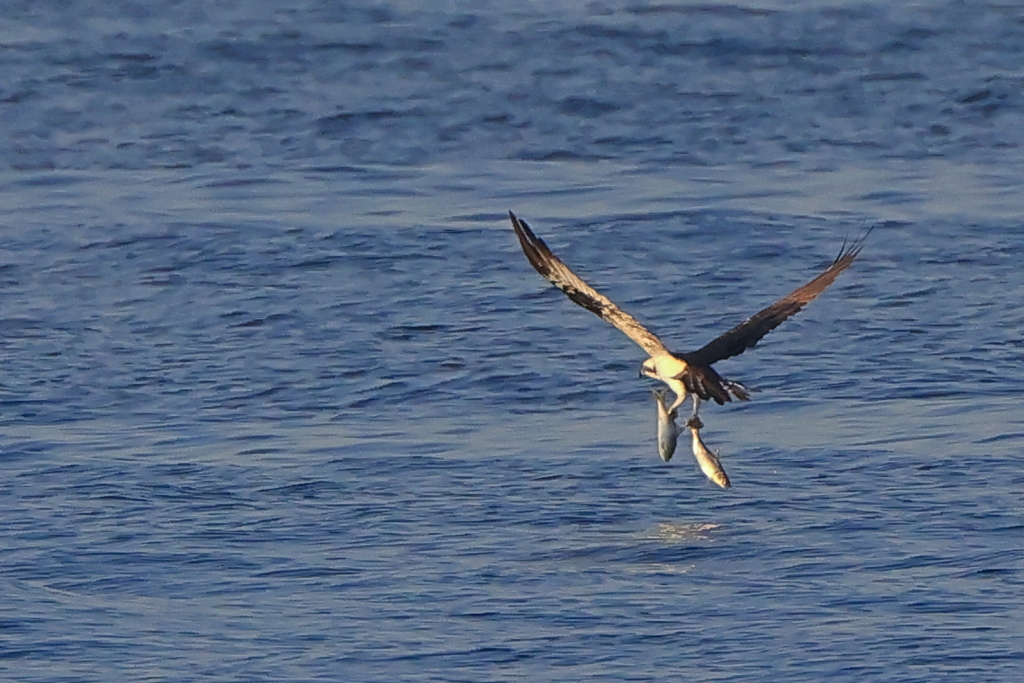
x=711, y=386
x=706, y=383
x=736, y=389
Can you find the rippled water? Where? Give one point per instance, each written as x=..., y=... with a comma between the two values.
x=282, y=399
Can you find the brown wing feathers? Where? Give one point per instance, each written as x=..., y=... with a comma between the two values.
x=552, y=268
x=749, y=332
x=732, y=343
x=558, y=274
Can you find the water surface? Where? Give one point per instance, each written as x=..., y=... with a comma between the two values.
x=282, y=399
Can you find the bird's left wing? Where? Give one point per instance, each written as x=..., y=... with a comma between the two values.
x=749, y=332
x=558, y=274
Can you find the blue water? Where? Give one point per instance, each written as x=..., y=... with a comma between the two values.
x=281, y=399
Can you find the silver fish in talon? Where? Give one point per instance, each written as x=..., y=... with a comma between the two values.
x=668, y=430
x=708, y=461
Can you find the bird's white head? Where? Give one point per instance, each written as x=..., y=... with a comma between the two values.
x=663, y=367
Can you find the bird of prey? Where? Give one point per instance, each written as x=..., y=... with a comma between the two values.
x=684, y=373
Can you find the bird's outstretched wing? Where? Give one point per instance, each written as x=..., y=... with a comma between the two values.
x=749, y=332
x=558, y=274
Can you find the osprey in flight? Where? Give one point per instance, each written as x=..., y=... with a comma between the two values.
x=683, y=372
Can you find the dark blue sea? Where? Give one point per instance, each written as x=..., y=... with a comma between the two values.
x=282, y=400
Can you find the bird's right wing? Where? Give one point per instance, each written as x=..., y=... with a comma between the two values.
x=558, y=274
